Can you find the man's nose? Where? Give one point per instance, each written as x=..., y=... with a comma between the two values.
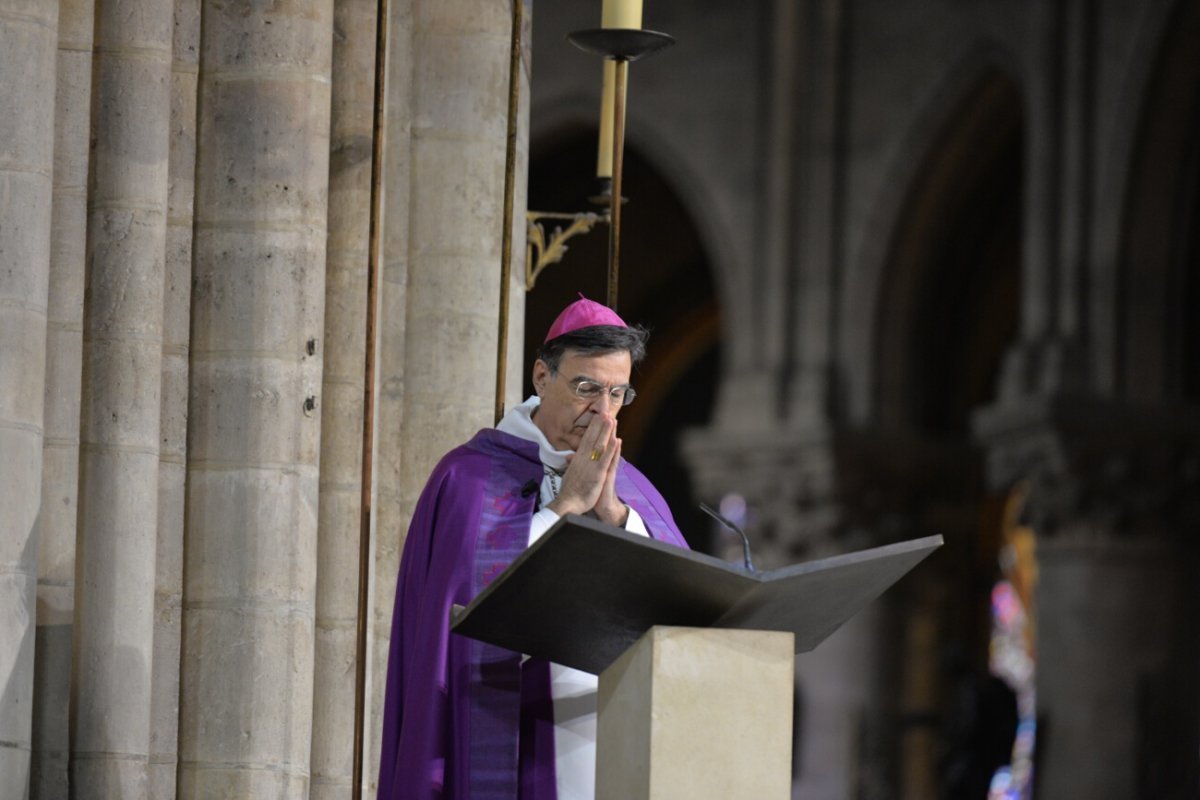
x=603, y=401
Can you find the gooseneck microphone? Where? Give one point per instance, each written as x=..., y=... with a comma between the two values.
x=735, y=529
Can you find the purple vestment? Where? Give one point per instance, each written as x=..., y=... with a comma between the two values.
x=463, y=719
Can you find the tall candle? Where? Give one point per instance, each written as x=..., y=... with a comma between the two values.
x=621, y=14
x=613, y=14
x=607, y=100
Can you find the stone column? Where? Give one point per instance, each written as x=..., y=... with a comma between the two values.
x=837, y=700
x=339, y=519
x=64, y=352
x=255, y=408
x=28, y=33
x=122, y=358
x=455, y=201
x=821, y=220
x=1104, y=630
x=168, y=601
x=1113, y=501
x=1050, y=356
x=444, y=186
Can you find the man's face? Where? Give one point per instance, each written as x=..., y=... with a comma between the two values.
x=563, y=416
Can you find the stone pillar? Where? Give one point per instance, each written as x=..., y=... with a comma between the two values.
x=821, y=219
x=836, y=704
x=1113, y=500
x=1105, y=625
x=339, y=519
x=28, y=33
x=262, y=170
x=122, y=359
x=168, y=600
x=455, y=202
x=444, y=188
x=64, y=348
x=1051, y=354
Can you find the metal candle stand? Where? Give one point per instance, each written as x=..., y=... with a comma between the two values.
x=621, y=45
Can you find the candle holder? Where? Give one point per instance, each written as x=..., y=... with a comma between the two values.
x=628, y=44
x=620, y=45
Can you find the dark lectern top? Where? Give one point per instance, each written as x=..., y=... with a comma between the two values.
x=586, y=591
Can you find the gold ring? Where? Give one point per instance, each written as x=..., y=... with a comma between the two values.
x=595, y=455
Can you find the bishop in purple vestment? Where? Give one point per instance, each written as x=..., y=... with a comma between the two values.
x=463, y=719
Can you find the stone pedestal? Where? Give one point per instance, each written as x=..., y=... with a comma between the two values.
x=697, y=713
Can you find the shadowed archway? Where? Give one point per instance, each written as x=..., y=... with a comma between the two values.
x=666, y=284
x=946, y=312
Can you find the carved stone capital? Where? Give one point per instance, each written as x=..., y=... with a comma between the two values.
x=822, y=490
x=1096, y=468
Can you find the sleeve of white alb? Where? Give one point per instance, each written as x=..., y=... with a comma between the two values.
x=635, y=524
x=545, y=519
x=541, y=523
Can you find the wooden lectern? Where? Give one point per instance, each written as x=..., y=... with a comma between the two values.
x=696, y=656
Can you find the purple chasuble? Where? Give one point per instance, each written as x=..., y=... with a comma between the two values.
x=463, y=719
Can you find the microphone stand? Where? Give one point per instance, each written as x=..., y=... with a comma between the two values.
x=728, y=524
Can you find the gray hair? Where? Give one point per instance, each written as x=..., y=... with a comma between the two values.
x=596, y=340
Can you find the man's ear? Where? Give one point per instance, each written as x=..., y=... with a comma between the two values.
x=541, y=374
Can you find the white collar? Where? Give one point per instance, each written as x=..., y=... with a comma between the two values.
x=519, y=422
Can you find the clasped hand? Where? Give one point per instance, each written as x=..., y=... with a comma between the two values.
x=589, y=484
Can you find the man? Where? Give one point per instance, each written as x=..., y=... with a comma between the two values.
x=467, y=720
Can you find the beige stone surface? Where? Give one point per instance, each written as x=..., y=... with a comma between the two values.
x=260, y=523
x=259, y=417
x=172, y=471
x=460, y=183
x=52, y=683
x=262, y=172
x=697, y=713
x=344, y=355
x=23, y=331
x=27, y=49
x=57, y=521
x=121, y=398
x=270, y=310
x=252, y=665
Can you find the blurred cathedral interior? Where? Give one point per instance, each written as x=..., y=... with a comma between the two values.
x=911, y=267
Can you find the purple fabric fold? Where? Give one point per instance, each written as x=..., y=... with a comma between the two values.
x=463, y=719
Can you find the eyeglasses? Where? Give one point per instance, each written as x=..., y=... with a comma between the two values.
x=589, y=390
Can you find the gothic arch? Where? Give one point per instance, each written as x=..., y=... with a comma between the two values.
x=944, y=304
x=936, y=296
x=979, y=96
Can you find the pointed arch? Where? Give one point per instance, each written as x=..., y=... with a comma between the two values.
x=968, y=121
x=937, y=291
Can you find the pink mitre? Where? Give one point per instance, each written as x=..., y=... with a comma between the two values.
x=583, y=313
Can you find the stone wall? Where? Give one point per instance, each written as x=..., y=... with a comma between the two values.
x=186, y=212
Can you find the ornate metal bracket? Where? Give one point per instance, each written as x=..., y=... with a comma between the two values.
x=553, y=251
